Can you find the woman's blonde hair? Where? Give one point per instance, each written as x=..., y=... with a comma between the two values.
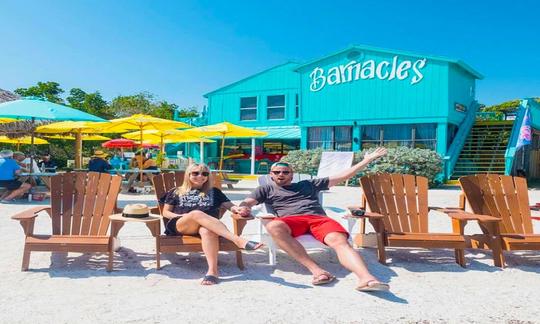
x=187, y=185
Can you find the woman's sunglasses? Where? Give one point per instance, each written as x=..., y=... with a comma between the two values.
x=196, y=174
x=280, y=172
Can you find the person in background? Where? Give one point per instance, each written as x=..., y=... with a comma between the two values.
x=24, y=163
x=9, y=170
x=116, y=161
x=142, y=160
x=98, y=163
x=46, y=164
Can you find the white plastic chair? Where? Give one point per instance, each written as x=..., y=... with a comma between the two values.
x=307, y=240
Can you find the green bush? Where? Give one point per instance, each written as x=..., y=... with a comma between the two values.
x=403, y=160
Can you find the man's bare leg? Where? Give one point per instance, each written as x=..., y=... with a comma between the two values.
x=349, y=258
x=281, y=234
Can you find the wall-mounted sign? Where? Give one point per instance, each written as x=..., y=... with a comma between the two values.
x=459, y=107
x=369, y=69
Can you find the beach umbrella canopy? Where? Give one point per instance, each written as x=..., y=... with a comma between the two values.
x=74, y=127
x=37, y=108
x=140, y=122
x=169, y=136
x=23, y=140
x=84, y=137
x=225, y=130
x=7, y=120
x=119, y=143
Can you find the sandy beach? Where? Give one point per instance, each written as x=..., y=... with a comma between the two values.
x=426, y=285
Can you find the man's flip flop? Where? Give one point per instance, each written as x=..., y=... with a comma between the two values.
x=252, y=245
x=322, y=279
x=209, y=278
x=375, y=286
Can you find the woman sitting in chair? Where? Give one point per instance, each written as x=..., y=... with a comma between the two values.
x=194, y=208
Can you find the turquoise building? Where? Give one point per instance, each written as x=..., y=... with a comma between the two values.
x=356, y=98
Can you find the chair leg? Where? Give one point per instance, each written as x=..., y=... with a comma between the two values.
x=460, y=257
x=111, y=256
x=26, y=259
x=239, y=260
x=498, y=256
x=380, y=249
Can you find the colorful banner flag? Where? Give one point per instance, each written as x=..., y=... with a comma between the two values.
x=525, y=131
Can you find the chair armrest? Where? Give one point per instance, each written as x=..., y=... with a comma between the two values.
x=238, y=217
x=367, y=215
x=31, y=213
x=446, y=210
x=154, y=210
x=470, y=216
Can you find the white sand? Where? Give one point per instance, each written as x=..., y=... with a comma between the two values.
x=427, y=286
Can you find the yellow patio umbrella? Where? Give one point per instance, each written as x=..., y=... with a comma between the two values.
x=163, y=137
x=228, y=130
x=84, y=137
x=77, y=128
x=140, y=123
x=22, y=140
x=7, y=120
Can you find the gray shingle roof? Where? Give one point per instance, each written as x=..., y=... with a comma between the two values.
x=7, y=96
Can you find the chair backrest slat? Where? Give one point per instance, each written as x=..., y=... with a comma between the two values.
x=401, y=198
x=79, y=193
x=179, y=178
x=82, y=202
x=56, y=203
x=67, y=203
x=110, y=198
x=401, y=202
x=500, y=196
x=101, y=195
x=92, y=182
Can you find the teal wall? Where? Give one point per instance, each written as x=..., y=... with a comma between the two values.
x=356, y=103
x=224, y=103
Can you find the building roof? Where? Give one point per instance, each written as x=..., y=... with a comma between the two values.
x=459, y=63
x=280, y=132
x=7, y=96
x=249, y=77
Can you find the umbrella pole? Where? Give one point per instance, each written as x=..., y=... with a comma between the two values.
x=78, y=150
x=142, y=158
x=222, y=148
x=162, y=149
x=32, y=149
x=201, y=152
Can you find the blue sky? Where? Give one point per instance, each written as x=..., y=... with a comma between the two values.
x=179, y=50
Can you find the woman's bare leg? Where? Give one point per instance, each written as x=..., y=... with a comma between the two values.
x=189, y=224
x=210, y=247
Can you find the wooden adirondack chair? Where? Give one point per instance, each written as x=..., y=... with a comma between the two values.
x=399, y=214
x=80, y=207
x=505, y=198
x=191, y=243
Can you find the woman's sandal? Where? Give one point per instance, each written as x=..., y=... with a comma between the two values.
x=322, y=279
x=252, y=245
x=376, y=286
x=213, y=280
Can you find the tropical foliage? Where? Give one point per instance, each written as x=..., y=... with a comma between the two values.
x=403, y=160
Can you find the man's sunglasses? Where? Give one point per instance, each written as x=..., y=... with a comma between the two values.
x=280, y=172
x=196, y=174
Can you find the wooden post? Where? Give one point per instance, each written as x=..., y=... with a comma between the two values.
x=222, y=148
x=78, y=150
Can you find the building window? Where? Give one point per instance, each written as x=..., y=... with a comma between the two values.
x=276, y=107
x=409, y=135
x=330, y=138
x=296, y=107
x=248, y=108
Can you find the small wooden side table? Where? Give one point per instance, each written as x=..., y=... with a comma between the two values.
x=153, y=222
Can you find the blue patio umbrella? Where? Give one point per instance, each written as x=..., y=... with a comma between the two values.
x=32, y=108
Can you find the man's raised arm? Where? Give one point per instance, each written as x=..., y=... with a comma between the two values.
x=348, y=173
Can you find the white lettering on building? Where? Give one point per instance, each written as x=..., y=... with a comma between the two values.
x=369, y=69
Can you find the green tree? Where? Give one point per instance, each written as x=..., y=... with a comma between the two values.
x=123, y=106
x=76, y=98
x=47, y=90
x=92, y=103
x=188, y=112
x=505, y=107
x=164, y=109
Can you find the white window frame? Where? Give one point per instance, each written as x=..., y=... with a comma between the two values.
x=249, y=108
x=276, y=107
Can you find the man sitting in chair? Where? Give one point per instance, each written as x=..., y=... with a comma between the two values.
x=299, y=212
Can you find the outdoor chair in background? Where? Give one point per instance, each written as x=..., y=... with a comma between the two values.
x=191, y=243
x=307, y=240
x=506, y=200
x=81, y=204
x=263, y=167
x=399, y=214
